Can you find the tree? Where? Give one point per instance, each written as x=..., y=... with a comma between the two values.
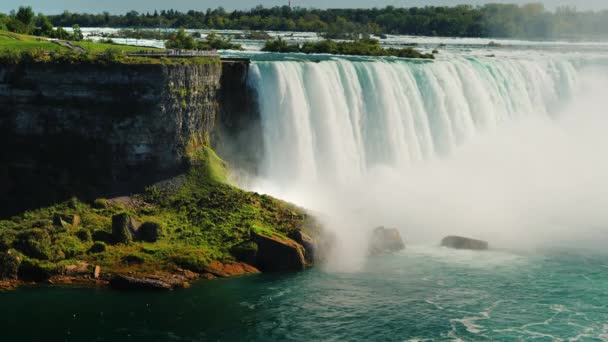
x=77, y=33
x=45, y=26
x=25, y=15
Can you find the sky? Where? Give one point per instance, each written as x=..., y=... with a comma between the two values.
x=121, y=6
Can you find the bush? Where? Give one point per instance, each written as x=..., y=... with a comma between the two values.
x=7, y=237
x=133, y=259
x=151, y=231
x=9, y=264
x=36, y=270
x=102, y=236
x=84, y=235
x=101, y=203
x=70, y=246
x=98, y=247
x=35, y=243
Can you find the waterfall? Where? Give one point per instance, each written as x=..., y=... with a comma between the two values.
x=492, y=148
x=335, y=120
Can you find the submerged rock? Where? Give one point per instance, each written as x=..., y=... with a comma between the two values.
x=123, y=282
x=277, y=253
x=459, y=242
x=385, y=240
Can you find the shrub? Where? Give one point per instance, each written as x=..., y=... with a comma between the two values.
x=70, y=246
x=7, y=237
x=98, y=247
x=151, y=231
x=35, y=243
x=133, y=259
x=9, y=264
x=84, y=235
x=102, y=236
x=36, y=270
x=101, y=203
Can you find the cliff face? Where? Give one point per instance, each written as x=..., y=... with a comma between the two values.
x=98, y=130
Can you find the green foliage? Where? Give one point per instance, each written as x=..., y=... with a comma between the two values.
x=84, y=235
x=77, y=33
x=491, y=20
x=98, y=247
x=70, y=246
x=181, y=40
x=359, y=47
x=201, y=220
x=35, y=243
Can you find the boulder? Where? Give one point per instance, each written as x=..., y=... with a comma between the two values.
x=124, y=228
x=278, y=253
x=385, y=240
x=61, y=220
x=123, y=282
x=309, y=244
x=97, y=272
x=77, y=269
x=459, y=242
x=9, y=264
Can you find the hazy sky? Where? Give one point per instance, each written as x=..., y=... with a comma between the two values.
x=55, y=6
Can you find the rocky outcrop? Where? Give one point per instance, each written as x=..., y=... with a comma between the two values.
x=459, y=242
x=278, y=253
x=309, y=244
x=385, y=240
x=124, y=228
x=224, y=269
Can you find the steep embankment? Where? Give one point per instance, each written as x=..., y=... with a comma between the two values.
x=95, y=130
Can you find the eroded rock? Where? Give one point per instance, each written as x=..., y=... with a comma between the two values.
x=459, y=242
x=385, y=240
x=277, y=253
x=309, y=244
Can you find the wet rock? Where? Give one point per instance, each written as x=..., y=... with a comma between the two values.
x=123, y=282
x=385, y=240
x=229, y=269
x=459, y=242
x=278, y=253
x=9, y=264
x=309, y=244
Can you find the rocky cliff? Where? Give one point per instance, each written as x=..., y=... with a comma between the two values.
x=99, y=130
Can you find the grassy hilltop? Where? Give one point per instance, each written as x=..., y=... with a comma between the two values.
x=186, y=224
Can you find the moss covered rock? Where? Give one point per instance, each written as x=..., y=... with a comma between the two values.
x=151, y=231
x=278, y=253
x=9, y=264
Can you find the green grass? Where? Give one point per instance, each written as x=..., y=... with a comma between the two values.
x=17, y=42
x=203, y=220
x=16, y=48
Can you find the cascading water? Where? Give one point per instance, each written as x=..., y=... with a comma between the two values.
x=477, y=146
x=335, y=120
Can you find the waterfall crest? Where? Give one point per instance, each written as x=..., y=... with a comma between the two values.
x=335, y=120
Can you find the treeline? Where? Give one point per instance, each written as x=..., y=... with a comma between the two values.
x=492, y=20
x=25, y=21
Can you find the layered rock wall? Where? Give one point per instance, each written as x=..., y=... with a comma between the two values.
x=99, y=130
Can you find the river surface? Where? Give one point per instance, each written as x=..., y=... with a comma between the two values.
x=423, y=293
